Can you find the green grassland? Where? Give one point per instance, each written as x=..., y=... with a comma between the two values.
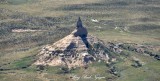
x=127, y=21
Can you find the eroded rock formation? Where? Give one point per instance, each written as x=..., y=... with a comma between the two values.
x=74, y=50
x=80, y=30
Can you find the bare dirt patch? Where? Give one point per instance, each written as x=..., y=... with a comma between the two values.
x=25, y=30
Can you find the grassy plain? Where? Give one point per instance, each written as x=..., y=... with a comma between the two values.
x=128, y=21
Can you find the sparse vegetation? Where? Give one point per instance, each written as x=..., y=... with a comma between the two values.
x=137, y=20
x=137, y=64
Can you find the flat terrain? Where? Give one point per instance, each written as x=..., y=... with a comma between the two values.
x=123, y=21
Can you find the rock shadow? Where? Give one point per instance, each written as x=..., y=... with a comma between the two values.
x=85, y=41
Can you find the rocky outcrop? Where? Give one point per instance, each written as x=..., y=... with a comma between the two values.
x=74, y=50
x=80, y=30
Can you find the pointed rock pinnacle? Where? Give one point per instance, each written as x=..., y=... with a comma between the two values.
x=80, y=31
x=79, y=23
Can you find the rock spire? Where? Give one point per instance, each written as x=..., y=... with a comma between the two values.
x=79, y=23
x=80, y=30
